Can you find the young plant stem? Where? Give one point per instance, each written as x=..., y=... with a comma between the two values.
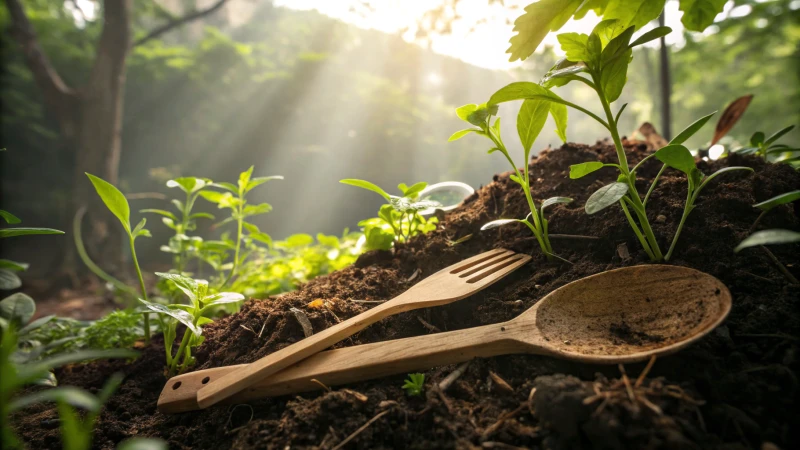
x=653, y=184
x=792, y=279
x=144, y=291
x=239, y=226
x=635, y=228
x=686, y=210
x=755, y=224
x=181, y=350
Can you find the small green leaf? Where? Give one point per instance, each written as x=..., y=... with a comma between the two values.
x=460, y=134
x=366, y=185
x=378, y=239
x=553, y=201
x=225, y=185
x=160, y=212
x=18, y=308
x=188, y=184
x=651, y=35
x=699, y=14
x=22, y=231
x=114, y=199
x=677, y=157
x=244, y=179
x=201, y=216
x=187, y=285
x=254, y=210
x=603, y=33
x=769, y=237
x=9, y=280
x=516, y=179
x=689, y=131
x=177, y=314
x=498, y=223
x=581, y=170
x=139, y=230
x=13, y=265
x=574, y=46
x=521, y=90
x=258, y=181
x=757, y=139
x=782, y=199
x=636, y=13
x=416, y=188
x=605, y=197
x=530, y=121
x=559, y=113
x=775, y=136
x=9, y=218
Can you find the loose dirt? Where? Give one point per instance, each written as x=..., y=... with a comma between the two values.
x=736, y=388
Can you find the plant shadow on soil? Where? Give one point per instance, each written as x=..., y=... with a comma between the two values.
x=745, y=372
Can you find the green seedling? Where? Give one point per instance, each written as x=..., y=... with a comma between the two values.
x=769, y=237
x=530, y=121
x=17, y=372
x=116, y=202
x=193, y=316
x=234, y=199
x=181, y=244
x=414, y=383
x=679, y=157
x=8, y=278
x=765, y=147
x=768, y=205
x=399, y=219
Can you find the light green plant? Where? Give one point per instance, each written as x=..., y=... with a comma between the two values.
x=765, y=147
x=193, y=316
x=399, y=219
x=8, y=268
x=414, y=384
x=116, y=202
x=181, y=244
x=234, y=199
x=769, y=204
x=530, y=122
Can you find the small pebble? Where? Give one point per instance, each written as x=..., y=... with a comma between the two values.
x=661, y=218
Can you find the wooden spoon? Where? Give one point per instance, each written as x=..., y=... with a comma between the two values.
x=445, y=286
x=621, y=316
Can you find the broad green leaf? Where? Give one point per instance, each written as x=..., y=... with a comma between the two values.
x=651, y=35
x=782, y=199
x=38, y=323
x=521, y=90
x=188, y=184
x=757, y=139
x=13, y=265
x=574, y=46
x=530, y=121
x=539, y=19
x=22, y=231
x=188, y=285
x=366, y=185
x=141, y=443
x=678, y=157
x=9, y=218
x=114, y=199
x=552, y=201
x=223, y=298
x=414, y=190
x=479, y=115
x=160, y=212
x=71, y=395
x=227, y=186
x=18, y=308
x=689, y=131
x=498, y=223
x=778, y=135
x=463, y=112
x=598, y=6
x=617, y=47
x=378, y=239
x=461, y=133
x=9, y=280
x=603, y=33
x=605, y=197
x=699, y=14
x=177, y=314
x=244, y=178
x=769, y=237
x=637, y=13
x=614, y=76
x=559, y=113
x=258, y=181
x=581, y=170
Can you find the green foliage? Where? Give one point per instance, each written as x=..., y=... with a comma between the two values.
x=414, y=384
x=782, y=199
x=18, y=370
x=398, y=220
x=538, y=103
x=769, y=237
x=8, y=278
x=765, y=147
x=193, y=316
x=550, y=15
x=116, y=202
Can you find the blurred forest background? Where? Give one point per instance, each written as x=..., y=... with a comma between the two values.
x=315, y=99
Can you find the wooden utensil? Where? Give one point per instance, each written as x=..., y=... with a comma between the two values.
x=621, y=316
x=445, y=286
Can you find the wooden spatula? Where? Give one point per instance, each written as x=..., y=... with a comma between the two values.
x=620, y=316
x=446, y=286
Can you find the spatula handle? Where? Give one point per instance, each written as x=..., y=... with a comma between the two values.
x=350, y=364
x=250, y=374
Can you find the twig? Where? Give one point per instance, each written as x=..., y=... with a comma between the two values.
x=780, y=266
x=500, y=421
x=430, y=327
x=367, y=301
x=454, y=375
x=530, y=401
x=301, y=317
x=573, y=236
x=645, y=371
x=358, y=431
x=180, y=21
x=314, y=380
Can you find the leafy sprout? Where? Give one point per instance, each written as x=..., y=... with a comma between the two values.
x=8, y=268
x=414, y=384
x=193, y=316
x=766, y=147
x=399, y=219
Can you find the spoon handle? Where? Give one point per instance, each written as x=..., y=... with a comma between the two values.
x=351, y=364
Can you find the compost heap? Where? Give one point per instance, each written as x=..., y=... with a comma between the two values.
x=736, y=388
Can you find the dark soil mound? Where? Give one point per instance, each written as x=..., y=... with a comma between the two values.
x=734, y=389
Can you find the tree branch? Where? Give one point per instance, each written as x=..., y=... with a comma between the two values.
x=180, y=21
x=56, y=93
